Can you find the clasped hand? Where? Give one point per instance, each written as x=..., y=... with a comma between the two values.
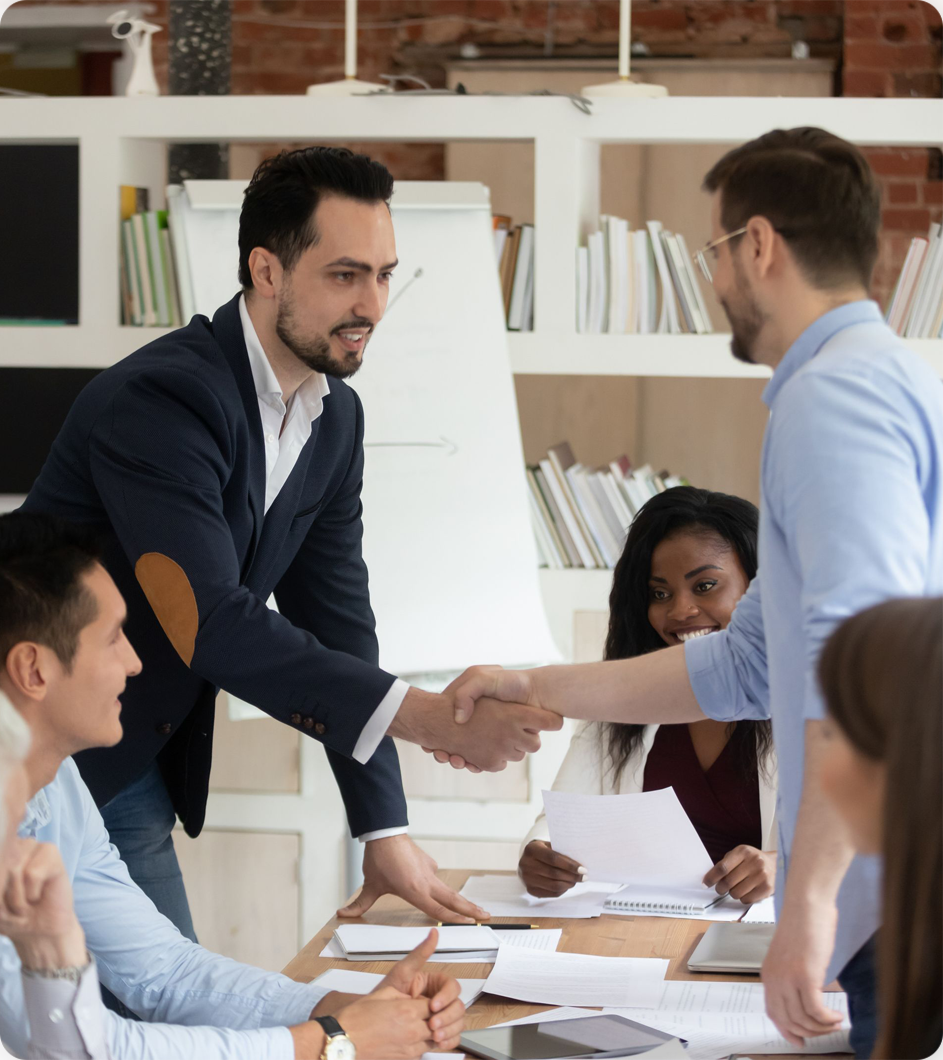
x=495, y=719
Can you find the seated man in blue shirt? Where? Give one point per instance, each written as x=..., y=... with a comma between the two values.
x=851, y=514
x=66, y=662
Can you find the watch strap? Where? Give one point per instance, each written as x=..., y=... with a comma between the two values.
x=329, y=1025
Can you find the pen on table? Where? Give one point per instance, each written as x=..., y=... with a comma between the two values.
x=497, y=927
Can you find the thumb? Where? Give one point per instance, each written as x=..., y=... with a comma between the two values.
x=411, y=964
x=368, y=895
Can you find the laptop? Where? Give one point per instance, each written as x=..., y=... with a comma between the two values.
x=732, y=947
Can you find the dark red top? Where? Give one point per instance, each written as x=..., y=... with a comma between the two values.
x=724, y=807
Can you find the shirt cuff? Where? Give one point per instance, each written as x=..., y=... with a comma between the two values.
x=65, y=1018
x=381, y=719
x=383, y=833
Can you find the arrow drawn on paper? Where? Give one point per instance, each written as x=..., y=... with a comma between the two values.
x=443, y=443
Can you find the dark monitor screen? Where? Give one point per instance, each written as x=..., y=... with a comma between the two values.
x=593, y=1036
x=34, y=403
x=39, y=233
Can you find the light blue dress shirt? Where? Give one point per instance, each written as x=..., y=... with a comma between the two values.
x=196, y=1004
x=851, y=513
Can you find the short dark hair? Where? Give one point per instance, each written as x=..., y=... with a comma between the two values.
x=42, y=598
x=279, y=203
x=682, y=509
x=816, y=190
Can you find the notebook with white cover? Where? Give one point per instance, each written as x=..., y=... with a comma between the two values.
x=362, y=939
x=668, y=901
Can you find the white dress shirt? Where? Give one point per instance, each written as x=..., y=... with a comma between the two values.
x=66, y=1020
x=285, y=430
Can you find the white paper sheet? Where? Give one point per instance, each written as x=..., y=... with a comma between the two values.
x=347, y=981
x=544, y=939
x=576, y=979
x=761, y=912
x=507, y=896
x=718, y=1019
x=645, y=838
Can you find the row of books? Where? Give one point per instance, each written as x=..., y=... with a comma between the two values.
x=148, y=277
x=915, y=310
x=640, y=281
x=581, y=516
x=514, y=251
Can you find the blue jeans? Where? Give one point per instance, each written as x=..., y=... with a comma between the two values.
x=859, y=981
x=139, y=820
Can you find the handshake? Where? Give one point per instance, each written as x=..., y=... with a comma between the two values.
x=486, y=718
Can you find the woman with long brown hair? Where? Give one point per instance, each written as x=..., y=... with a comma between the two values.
x=882, y=676
x=688, y=558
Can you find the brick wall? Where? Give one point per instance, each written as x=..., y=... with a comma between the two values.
x=895, y=48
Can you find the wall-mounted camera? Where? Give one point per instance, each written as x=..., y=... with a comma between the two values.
x=137, y=34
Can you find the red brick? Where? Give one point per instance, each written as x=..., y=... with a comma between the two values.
x=931, y=14
x=900, y=193
x=905, y=26
x=862, y=27
x=902, y=163
x=868, y=56
x=864, y=83
x=922, y=85
x=933, y=193
x=902, y=220
x=812, y=7
x=665, y=19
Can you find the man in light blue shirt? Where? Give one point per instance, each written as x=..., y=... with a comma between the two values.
x=65, y=662
x=851, y=514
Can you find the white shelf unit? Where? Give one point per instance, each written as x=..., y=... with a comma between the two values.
x=123, y=141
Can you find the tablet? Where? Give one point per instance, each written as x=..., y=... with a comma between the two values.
x=594, y=1036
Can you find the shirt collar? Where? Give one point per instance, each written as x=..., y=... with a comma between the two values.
x=309, y=394
x=814, y=338
x=38, y=814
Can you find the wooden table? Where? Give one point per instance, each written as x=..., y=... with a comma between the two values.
x=604, y=936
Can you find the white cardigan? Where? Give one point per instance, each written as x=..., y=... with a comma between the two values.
x=587, y=770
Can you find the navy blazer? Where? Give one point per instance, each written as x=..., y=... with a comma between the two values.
x=164, y=453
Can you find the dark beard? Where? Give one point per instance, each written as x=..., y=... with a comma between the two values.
x=316, y=353
x=746, y=324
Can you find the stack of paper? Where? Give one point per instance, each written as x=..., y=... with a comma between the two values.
x=545, y=940
x=378, y=942
x=719, y=1019
x=645, y=841
x=350, y=982
x=507, y=896
x=576, y=979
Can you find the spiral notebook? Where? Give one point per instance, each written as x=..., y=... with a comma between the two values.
x=701, y=904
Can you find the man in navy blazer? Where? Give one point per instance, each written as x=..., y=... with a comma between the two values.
x=222, y=464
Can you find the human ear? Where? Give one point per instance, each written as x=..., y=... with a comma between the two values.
x=26, y=669
x=266, y=271
x=760, y=238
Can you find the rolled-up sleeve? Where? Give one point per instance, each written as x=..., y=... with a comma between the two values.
x=727, y=669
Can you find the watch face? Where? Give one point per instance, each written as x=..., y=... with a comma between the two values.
x=341, y=1048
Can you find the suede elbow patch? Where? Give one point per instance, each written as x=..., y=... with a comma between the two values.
x=171, y=597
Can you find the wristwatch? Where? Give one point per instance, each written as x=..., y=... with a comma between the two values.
x=72, y=974
x=338, y=1046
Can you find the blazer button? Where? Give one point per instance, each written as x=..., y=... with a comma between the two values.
x=307, y=722
x=295, y=719
x=319, y=728
x=165, y=728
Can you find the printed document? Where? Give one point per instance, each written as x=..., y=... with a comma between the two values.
x=347, y=981
x=507, y=896
x=576, y=979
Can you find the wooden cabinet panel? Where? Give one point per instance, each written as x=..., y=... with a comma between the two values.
x=243, y=891
x=483, y=855
x=424, y=778
x=259, y=754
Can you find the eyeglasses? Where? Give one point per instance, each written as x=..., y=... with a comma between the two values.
x=700, y=256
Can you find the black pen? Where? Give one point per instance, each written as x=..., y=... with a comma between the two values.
x=497, y=927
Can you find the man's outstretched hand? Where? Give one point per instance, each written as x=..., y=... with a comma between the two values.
x=395, y=865
x=491, y=732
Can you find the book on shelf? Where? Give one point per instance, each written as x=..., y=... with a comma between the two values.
x=514, y=249
x=639, y=281
x=148, y=281
x=915, y=310
x=581, y=516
